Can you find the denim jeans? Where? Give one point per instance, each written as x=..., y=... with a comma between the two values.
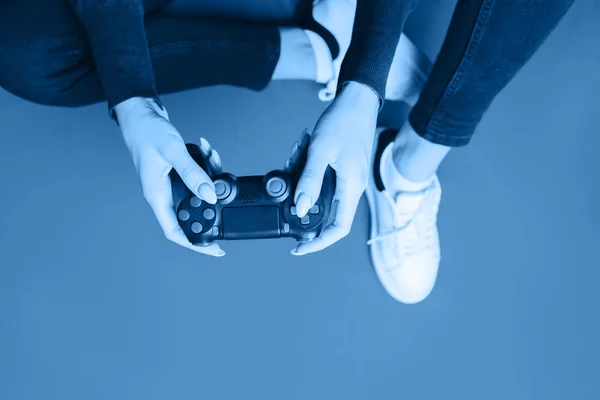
x=487, y=43
x=46, y=58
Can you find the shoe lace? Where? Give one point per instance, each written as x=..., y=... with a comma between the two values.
x=411, y=236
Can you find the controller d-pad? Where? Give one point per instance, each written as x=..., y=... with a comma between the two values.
x=314, y=209
x=305, y=220
x=208, y=213
x=293, y=210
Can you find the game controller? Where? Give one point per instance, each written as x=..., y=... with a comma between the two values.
x=250, y=207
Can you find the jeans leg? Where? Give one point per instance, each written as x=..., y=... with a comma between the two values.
x=487, y=43
x=47, y=58
x=41, y=53
x=192, y=52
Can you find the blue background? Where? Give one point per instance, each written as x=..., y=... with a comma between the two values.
x=96, y=304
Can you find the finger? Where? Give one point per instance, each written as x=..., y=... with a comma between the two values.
x=329, y=236
x=212, y=157
x=304, y=139
x=194, y=177
x=298, y=149
x=212, y=249
x=291, y=162
x=205, y=147
x=347, y=196
x=311, y=180
x=215, y=162
x=294, y=149
x=161, y=202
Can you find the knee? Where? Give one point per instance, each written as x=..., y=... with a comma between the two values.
x=34, y=72
x=32, y=84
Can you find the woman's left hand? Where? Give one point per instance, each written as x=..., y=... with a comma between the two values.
x=343, y=139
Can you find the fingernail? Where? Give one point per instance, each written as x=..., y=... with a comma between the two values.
x=207, y=193
x=204, y=143
x=305, y=136
x=303, y=204
x=220, y=253
x=205, y=147
x=216, y=158
x=294, y=149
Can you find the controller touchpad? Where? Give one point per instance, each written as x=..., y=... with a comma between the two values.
x=250, y=222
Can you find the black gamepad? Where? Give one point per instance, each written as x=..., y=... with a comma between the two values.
x=250, y=207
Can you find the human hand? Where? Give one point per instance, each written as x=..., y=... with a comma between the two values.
x=343, y=139
x=157, y=147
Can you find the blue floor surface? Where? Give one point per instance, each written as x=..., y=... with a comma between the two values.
x=96, y=304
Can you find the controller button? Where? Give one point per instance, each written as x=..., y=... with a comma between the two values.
x=195, y=202
x=276, y=186
x=215, y=230
x=305, y=220
x=184, y=215
x=286, y=228
x=314, y=209
x=208, y=213
x=293, y=210
x=196, y=227
x=222, y=189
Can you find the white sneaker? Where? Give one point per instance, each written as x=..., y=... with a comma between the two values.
x=404, y=242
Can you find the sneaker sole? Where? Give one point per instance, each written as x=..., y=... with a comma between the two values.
x=384, y=276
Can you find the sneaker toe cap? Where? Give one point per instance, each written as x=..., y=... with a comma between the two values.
x=413, y=280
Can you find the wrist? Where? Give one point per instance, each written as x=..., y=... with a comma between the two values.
x=360, y=94
x=137, y=107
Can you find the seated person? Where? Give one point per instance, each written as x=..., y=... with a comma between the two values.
x=128, y=52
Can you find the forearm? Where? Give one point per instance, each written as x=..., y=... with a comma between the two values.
x=377, y=28
x=115, y=29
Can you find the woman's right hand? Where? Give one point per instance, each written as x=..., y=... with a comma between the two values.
x=157, y=147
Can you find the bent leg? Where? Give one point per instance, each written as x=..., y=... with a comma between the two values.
x=487, y=43
x=192, y=52
x=47, y=58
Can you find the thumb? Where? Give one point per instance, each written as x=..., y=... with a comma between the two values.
x=311, y=180
x=194, y=177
